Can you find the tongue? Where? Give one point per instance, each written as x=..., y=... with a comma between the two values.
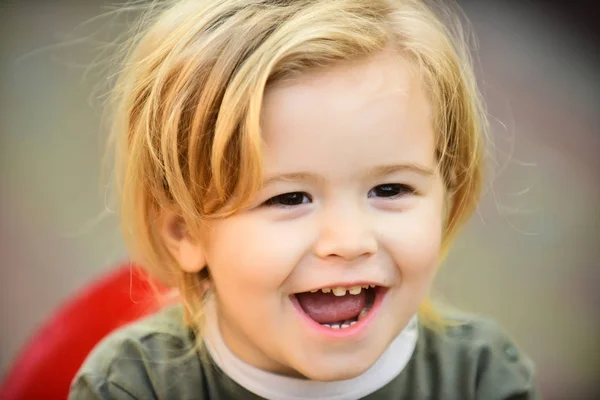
x=327, y=308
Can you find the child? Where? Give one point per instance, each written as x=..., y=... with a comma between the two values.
x=297, y=170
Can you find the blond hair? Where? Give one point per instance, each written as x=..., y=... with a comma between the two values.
x=189, y=97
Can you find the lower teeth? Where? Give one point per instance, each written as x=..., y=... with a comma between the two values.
x=363, y=313
x=344, y=325
x=348, y=323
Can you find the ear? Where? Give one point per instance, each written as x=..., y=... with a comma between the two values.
x=188, y=253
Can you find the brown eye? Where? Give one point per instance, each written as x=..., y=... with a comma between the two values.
x=289, y=199
x=391, y=190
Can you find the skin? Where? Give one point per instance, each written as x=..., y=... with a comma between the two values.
x=351, y=194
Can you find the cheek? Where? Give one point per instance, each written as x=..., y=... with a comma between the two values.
x=414, y=240
x=261, y=253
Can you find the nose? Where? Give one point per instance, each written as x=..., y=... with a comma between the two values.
x=345, y=233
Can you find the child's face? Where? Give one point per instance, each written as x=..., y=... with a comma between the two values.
x=352, y=197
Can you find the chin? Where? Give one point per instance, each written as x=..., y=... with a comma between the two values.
x=336, y=370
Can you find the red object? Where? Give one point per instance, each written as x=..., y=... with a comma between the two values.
x=49, y=361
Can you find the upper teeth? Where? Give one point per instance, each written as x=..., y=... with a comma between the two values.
x=340, y=291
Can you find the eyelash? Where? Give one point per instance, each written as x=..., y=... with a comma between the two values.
x=277, y=200
x=398, y=190
x=288, y=200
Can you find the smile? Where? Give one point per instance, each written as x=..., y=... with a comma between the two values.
x=339, y=310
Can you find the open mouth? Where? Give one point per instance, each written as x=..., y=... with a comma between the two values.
x=339, y=308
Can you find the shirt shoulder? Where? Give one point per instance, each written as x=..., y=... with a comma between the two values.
x=473, y=358
x=148, y=359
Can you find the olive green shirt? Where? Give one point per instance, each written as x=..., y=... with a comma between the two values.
x=155, y=358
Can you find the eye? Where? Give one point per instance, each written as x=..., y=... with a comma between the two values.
x=391, y=190
x=289, y=199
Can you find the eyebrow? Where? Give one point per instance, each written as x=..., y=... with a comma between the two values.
x=291, y=177
x=383, y=170
x=378, y=171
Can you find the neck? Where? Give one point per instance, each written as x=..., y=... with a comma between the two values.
x=271, y=385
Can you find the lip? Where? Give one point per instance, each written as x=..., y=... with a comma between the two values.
x=352, y=331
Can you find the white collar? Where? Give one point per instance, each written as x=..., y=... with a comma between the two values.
x=279, y=387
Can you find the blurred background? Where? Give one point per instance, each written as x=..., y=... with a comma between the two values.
x=529, y=258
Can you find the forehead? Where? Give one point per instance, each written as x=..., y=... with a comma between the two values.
x=369, y=109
